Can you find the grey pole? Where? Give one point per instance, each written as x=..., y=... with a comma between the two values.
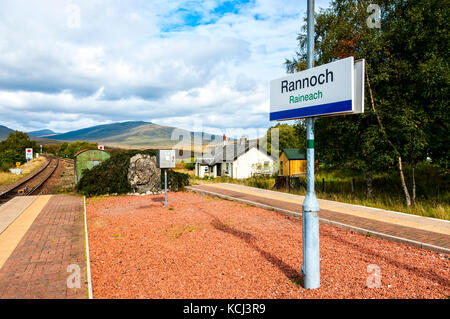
x=310, y=218
x=165, y=187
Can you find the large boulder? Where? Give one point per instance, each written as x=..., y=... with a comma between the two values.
x=143, y=174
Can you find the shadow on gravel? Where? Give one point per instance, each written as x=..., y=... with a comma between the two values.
x=249, y=239
x=431, y=275
x=159, y=199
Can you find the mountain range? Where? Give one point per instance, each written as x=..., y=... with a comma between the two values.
x=131, y=134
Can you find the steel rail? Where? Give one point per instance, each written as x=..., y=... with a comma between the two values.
x=10, y=193
x=45, y=179
x=31, y=176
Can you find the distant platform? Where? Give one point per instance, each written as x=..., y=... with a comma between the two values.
x=419, y=231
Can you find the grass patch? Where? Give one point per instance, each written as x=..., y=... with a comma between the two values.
x=298, y=281
x=176, y=231
x=9, y=178
x=96, y=199
x=99, y=222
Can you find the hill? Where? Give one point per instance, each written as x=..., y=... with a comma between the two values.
x=98, y=132
x=42, y=133
x=135, y=134
x=4, y=132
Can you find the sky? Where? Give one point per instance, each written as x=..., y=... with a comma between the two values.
x=67, y=65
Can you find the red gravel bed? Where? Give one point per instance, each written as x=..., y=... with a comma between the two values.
x=211, y=248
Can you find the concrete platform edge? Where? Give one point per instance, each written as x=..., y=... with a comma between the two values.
x=86, y=251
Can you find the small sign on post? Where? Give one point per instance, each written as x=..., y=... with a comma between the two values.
x=165, y=159
x=101, y=147
x=29, y=153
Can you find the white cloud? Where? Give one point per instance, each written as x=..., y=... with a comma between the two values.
x=136, y=60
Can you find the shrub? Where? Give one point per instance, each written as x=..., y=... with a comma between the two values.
x=9, y=158
x=189, y=165
x=260, y=181
x=175, y=180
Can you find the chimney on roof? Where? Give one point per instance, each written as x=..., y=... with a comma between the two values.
x=243, y=140
x=224, y=140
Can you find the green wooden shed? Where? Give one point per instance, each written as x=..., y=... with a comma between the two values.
x=87, y=159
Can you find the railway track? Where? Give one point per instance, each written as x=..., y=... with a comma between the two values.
x=32, y=185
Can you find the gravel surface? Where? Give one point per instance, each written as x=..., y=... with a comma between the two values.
x=202, y=247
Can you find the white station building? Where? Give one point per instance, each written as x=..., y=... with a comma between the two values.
x=236, y=160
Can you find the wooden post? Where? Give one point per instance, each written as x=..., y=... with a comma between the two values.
x=437, y=195
x=353, y=188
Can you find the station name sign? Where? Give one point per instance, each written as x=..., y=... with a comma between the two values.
x=331, y=89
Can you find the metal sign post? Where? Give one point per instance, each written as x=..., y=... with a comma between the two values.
x=29, y=155
x=165, y=159
x=310, y=216
x=165, y=187
x=331, y=89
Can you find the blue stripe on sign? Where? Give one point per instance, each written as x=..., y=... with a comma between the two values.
x=315, y=110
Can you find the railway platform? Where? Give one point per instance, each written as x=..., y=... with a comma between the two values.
x=419, y=231
x=42, y=247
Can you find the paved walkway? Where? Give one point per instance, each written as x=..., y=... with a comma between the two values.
x=424, y=232
x=42, y=246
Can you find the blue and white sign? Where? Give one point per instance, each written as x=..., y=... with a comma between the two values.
x=29, y=153
x=329, y=89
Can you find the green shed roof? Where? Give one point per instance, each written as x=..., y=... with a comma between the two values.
x=294, y=154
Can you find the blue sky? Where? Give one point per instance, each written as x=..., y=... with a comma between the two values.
x=191, y=17
x=67, y=65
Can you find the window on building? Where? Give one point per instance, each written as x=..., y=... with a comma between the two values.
x=281, y=168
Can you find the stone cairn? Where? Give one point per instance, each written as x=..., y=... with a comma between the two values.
x=144, y=176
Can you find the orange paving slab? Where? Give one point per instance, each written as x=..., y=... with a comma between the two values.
x=12, y=235
x=46, y=248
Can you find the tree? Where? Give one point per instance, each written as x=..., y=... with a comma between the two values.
x=406, y=115
x=12, y=149
x=69, y=150
x=351, y=142
x=288, y=136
